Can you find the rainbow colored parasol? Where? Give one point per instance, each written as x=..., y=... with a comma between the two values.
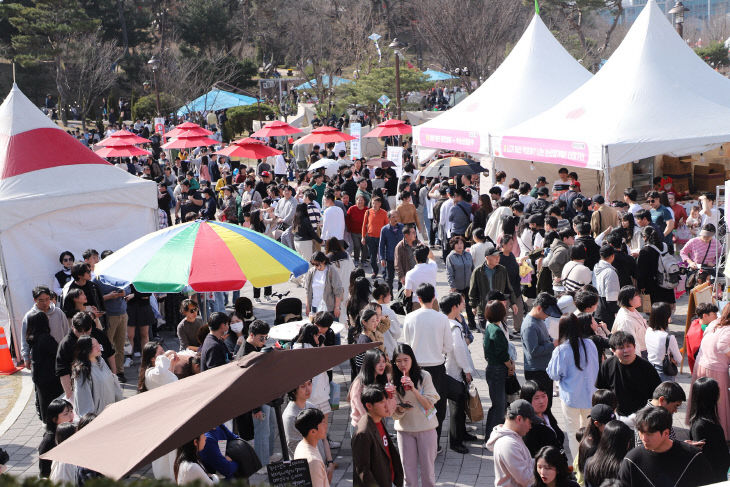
x=204, y=256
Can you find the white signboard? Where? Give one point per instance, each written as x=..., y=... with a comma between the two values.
x=160, y=126
x=355, y=145
x=395, y=154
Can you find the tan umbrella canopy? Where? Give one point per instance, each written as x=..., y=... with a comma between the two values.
x=135, y=431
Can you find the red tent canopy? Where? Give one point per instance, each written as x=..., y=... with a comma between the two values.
x=275, y=129
x=324, y=135
x=122, y=138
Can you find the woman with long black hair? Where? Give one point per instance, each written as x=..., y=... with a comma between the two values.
x=187, y=464
x=59, y=411
x=375, y=370
x=416, y=423
x=150, y=351
x=551, y=469
x=95, y=386
x=705, y=425
x=43, y=349
x=574, y=365
x=616, y=441
x=647, y=267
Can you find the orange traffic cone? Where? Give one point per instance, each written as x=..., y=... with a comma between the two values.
x=6, y=362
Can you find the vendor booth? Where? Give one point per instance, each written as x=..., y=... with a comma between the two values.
x=536, y=75
x=56, y=195
x=653, y=96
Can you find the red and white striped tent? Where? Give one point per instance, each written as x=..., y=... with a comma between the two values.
x=56, y=195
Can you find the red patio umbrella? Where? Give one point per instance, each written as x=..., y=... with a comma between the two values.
x=121, y=151
x=122, y=138
x=188, y=139
x=187, y=126
x=324, y=135
x=248, y=148
x=390, y=128
x=275, y=129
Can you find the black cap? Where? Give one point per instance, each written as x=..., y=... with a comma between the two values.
x=491, y=251
x=602, y=413
x=598, y=199
x=541, y=179
x=543, y=190
x=549, y=304
x=520, y=407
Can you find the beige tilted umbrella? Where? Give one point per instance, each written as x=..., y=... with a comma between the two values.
x=135, y=431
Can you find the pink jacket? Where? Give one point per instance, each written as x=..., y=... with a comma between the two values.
x=357, y=410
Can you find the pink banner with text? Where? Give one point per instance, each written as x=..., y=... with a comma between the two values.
x=544, y=150
x=458, y=140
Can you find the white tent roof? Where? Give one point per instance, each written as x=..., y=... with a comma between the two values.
x=653, y=96
x=44, y=169
x=537, y=74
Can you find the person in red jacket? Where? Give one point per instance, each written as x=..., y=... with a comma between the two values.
x=354, y=221
x=706, y=314
x=375, y=219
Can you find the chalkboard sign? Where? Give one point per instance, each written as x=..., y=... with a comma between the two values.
x=293, y=472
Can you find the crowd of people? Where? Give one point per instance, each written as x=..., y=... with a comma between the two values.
x=586, y=288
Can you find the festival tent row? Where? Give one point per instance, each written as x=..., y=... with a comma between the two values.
x=56, y=195
x=538, y=73
x=653, y=96
x=216, y=100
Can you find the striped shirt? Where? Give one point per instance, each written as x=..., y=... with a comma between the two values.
x=695, y=250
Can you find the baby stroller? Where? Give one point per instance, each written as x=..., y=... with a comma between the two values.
x=288, y=309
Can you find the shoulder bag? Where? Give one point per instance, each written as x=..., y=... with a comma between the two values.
x=669, y=368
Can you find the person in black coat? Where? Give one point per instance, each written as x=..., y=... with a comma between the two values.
x=624, y=264
x=43, y=348
x=592, y=249
x=58, y=411
x=547, y=433
x=705, y=426
x=647, y=268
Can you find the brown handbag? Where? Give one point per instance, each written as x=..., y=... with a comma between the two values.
x=474, y=409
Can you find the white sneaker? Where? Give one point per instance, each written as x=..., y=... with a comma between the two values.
x=275, y=457
x=127, y=362
x=262, y=471
x=137, y=354
x=258, y=300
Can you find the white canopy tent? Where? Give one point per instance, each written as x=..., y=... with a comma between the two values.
x=56, y=195
x=653, y=96
x=536, y=75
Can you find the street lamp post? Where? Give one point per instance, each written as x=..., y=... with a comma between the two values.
x=154, y=63
x=396, y=45
x=678, y=14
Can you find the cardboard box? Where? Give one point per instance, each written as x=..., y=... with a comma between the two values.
x=712, y=168
x=672, y=165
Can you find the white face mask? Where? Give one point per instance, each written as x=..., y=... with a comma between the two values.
x=237, y=327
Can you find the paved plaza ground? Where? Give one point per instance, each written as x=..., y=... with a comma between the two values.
x=22, y=437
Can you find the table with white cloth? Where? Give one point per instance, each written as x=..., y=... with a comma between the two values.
x=288, y=331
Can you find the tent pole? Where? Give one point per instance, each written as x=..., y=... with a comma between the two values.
x=606, y=172
x=276, y=404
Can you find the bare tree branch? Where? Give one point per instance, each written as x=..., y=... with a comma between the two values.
x=86, y=69
x=470, y=33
